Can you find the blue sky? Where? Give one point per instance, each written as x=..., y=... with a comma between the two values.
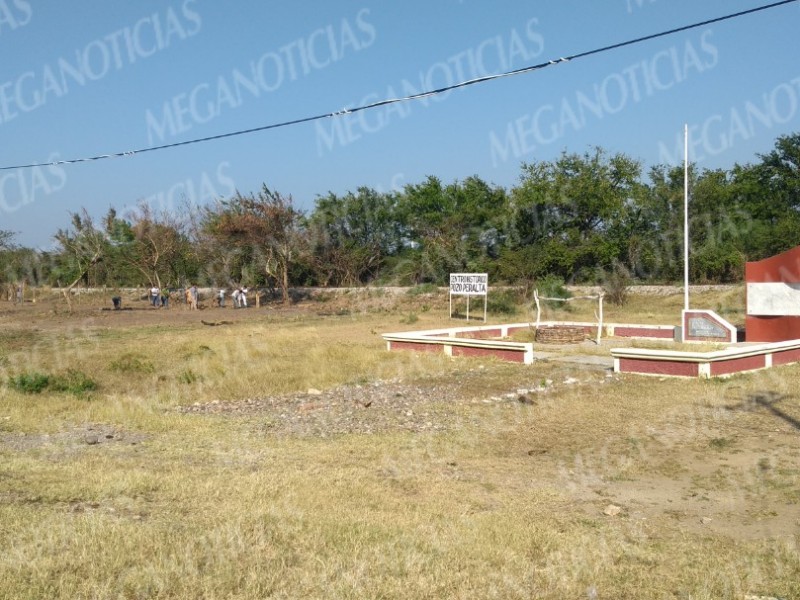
x=92, y=77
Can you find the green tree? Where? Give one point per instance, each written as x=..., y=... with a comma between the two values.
x=82, y=248
x=447, y=228
x=655, y=247
x=6, y=240
x=767, y=195
x=118, y=261
x=717, y=230
x=266, y=226
x=351, y=236
x=159, y=247
x=7, y=262
x=571, y=216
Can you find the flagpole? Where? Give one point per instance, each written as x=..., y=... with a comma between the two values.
x=686, y=216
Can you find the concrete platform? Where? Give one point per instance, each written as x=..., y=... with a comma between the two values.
x=491, y=341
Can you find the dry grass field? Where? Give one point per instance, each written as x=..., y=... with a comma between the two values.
x=283, y=453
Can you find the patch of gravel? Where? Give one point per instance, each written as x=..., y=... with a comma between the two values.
x=366, y=409
x=374, y=408
x=92, y=434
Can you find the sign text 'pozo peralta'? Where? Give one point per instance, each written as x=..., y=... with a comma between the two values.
x=469, y=284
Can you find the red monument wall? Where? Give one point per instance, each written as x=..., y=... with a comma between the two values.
x=773, y=298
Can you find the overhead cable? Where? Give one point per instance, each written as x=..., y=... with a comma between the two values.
x=409, y=98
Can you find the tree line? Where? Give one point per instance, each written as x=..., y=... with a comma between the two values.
x=581, y=218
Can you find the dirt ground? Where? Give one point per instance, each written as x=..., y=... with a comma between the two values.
x=51, y=311
x=706, y=480
x=721, y=478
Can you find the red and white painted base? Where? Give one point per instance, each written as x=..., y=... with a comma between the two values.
x=719, y=363
x=489, y=341
x=465, y=341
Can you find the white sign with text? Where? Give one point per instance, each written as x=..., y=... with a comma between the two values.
x=469, y=284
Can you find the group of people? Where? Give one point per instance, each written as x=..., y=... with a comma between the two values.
x=160, y=297
x=239, y=296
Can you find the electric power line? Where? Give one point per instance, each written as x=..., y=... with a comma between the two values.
x=409, y=98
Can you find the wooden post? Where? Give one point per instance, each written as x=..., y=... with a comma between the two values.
x=600, y=320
